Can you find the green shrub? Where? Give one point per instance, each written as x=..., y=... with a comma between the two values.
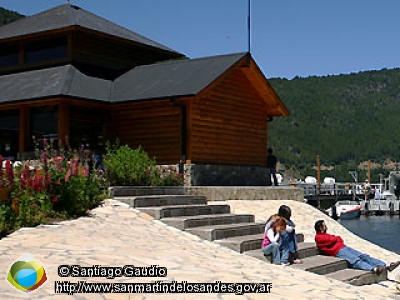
x=129, y=167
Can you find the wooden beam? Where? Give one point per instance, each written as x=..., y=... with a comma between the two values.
x=188, y=131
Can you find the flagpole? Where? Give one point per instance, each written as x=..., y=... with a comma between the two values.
x=248, y=26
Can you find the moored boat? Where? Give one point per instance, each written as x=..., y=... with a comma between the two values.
x=345, y=210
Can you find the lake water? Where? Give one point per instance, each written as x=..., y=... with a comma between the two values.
x=380, y=230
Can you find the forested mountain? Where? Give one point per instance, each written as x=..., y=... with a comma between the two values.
x=7, y=16
x=343, y=118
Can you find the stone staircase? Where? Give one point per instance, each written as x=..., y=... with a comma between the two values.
x=239, y=232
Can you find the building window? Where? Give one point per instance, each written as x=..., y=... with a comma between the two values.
x=9, y=133
x=87, y=134
x=44, y=126
x=87, y=127
x=9, y=56
x=46, y=50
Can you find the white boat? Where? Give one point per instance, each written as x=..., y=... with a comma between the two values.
x=382, y=203
x=345, y=210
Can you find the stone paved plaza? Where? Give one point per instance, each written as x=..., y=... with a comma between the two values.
x=116, y=235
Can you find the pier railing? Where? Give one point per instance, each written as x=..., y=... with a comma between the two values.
x=330, y=189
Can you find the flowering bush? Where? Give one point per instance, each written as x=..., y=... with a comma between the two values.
x=6, y=174
x=167, y=176
x=56, y=185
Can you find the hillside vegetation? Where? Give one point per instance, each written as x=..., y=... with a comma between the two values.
x=346, y=119
x=7, y=16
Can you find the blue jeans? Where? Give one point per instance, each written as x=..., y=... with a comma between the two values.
x=277, y=257
x=359, y=260
x=289, y=241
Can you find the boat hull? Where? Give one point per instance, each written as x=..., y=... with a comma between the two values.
x=351, y=214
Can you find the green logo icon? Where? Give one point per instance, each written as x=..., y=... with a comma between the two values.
x=26, y=274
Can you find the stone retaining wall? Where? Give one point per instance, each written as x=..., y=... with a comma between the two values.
x=215, y=192
x=244, y=192
x=226, y=175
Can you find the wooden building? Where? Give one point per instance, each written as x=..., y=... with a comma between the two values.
x=68, y=72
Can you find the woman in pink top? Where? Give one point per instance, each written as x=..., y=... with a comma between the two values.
x=272, y=240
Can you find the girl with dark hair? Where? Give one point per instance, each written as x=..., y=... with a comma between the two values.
x=289, y=239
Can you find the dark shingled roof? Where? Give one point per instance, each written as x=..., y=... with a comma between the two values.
x=171, y=79
x=69, y=15
x=162, y=80
x=52, y=82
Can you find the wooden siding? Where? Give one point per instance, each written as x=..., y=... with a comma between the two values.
x=228, y=124
x=154, y=125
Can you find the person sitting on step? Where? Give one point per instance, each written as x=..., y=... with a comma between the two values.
x=270, y=221
x=333, y=245
x=289, y=238
x=272, y=242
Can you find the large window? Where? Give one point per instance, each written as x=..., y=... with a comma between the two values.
x=46, y=50
x=44, y=126
x=87, y=127
x=9, y=133
x=9, y=56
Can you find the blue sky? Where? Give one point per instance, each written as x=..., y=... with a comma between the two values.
x=288, y=37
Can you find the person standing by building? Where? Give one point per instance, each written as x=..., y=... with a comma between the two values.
x=271, y=165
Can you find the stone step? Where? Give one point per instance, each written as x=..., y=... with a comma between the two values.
x=248, y=242
x=162, y=200
x=305, y=250
x=121, y=191
x=186, y=222
x=357, y=277
x=160, y=212
x=321, y=264
x=218, y=232
x=242, y=243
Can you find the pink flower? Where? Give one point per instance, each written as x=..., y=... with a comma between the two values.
x=23, y=183
x=75, y=167
x=68, y=175
x=44, y=156
x=9, y=171
x=85, y=171
x=38, y=183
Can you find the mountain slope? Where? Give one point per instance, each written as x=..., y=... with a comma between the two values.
x=7, y=16
x=341, y=118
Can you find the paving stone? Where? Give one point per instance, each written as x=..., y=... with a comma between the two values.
x=118, y=235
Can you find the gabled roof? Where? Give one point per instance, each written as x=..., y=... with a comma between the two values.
x=175, y=78
x=67, y=15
